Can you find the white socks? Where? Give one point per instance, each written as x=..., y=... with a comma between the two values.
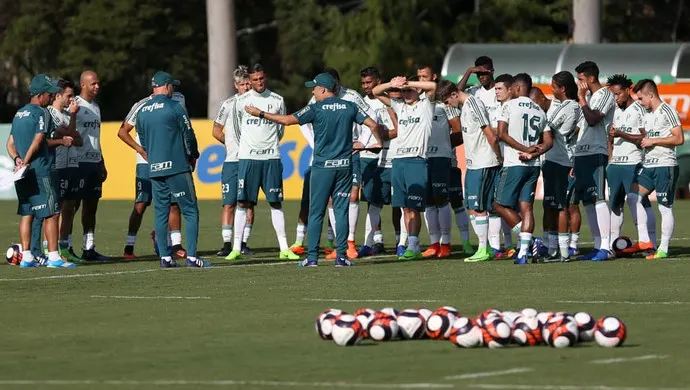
x=525, y=240
x=53, y=256
x=432, y=225
x=481, y=227
x=495, y=232
x=278, y=219
x=175, y=237
x=563, y=244
x=373, y=219
x=353, y=216
x=240, y=223
x=445, y=222
x=27, y=256
x=378, y=236
x=591, y=212
x=403, y=230
x=331, y=219
x=554, y=244
x=248, y=232
x=604, y=222
x=301, y=233
x=414, y=243
x=131, y=239
x=574, y=238
x=89, y=239
x=640, y=216
x=463, y=223
x=226, y=233
x=617, y=222
x=667, y=223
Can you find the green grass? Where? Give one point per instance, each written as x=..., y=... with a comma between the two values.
x=257, y=327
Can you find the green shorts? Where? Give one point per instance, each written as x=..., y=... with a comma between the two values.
x=306, y=187
x=264, y=174
x=356, y=170
x=36, y=196
x=590, y=178
x=479, y=187
x=372, y=186
x=516, y=184
x=572, y=200
x=620, y=179
x=67, y=180
x=555, y=185
x=409, y=178
x=659, y=179
x=143, y=191
x=438, y=175
x=386, y=185
x=90, y=181
x=228, y=183
x=455, y=193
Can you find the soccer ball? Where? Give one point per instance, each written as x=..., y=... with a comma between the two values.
x=551, y=324
x=14, y=254
x=527, y=332
x=610, y=332
x=544, y=317
x=585, y=326
x=621, y=243
x=488, y=315
x=364, y=316
x=347, y=331
x=465, y=333
x=529, y=312
x=390, y=311
x=411, y=324
x=325, y=321
x=383, y=329
x=439, y=323
x=510, y=317
x=563, y=335
x=426, y=313
x=495, y=333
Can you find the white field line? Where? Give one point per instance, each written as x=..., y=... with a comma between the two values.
x=631, y=359
x=223, y=383
x=627, y=302
x=486, y=374
x=369, y=300
x=564, y=387
x=143, y=297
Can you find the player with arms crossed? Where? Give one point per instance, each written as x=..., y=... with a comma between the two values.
x=225, y=120
x=521, y=124
x=625, y=155
x=483, y=160
x=143, y=188
x=167, y=137
x=409, y=175
x=660, y=168
x=259, y=155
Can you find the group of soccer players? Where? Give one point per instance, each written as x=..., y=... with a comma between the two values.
x=401, y=139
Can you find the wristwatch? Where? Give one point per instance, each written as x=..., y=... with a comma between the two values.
x=261, y=115
x=15, y=159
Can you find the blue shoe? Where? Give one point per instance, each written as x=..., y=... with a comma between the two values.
x=29, y=264
x=198, y=263
x=588, y=256
x=378, y=249
x=169, y=264
x=364, y=251
x=573, y=252
x=521, y=260
x=42, y=260
x=245, y=250
x=308, y=263
x=602, y=255
x=60, y=264
x=400, y=250
x=343, y=262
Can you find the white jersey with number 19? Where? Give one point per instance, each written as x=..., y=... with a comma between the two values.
x=526, y=121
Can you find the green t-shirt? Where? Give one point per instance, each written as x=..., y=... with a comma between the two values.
x=167, y=136
x=30, y=120
x=332, y=120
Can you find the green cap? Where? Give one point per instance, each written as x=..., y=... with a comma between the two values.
x=322, y=80
x=42, y=84
x=161, y=79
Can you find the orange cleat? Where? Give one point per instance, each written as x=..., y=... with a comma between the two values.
x=351, y=250
x=331, y=256
x=432, y=251
x=128, y=256
x=444, y=251
x=179, y=253
x=638, y=247
x=297, y=249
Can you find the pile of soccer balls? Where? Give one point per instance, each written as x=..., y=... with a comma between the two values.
x=492, y=328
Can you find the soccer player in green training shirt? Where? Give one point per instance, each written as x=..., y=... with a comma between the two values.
x=168, y=139
x=332, y=119
x=27, y=145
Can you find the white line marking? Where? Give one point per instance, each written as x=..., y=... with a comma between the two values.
x=223, y=383
x=368, y=300
x=627, y=302
x=485, y=374
x=632, y=359
x=565, y=387
x=141, y=297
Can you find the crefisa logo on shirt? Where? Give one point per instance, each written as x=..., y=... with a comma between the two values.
x=154, y=106
x=22, y=114
x=334, y=106
x=410, y=120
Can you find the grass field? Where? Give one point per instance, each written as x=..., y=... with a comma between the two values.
x=250, y=324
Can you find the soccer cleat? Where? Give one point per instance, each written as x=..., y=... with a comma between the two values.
x=378, y=248
x=409, y=254
x=198, y=263
x=602, y=255
x=364, y=251
x=343, y=262
x=589, y=255
x=308, y=263
x=288, y=255
x=169, y=264
x=328, y=248
x=60, y=264
x=482, y=254
x=227, y=248
x=554, y=258
x=638, y=247
x=400, y=250
x=127, y=255
x=432, y=250
x=573, y=252
x=497, y=254
x=92, y=255
x=522, y=260
x=444, y=251
x=331, y=256
x=178, y=252
x=246, y=251
x=351, y=250
x=234, y=255
x=298, y=249
x=42, y=260
x=29, y=264
x=658, y=255
x=467, y=247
